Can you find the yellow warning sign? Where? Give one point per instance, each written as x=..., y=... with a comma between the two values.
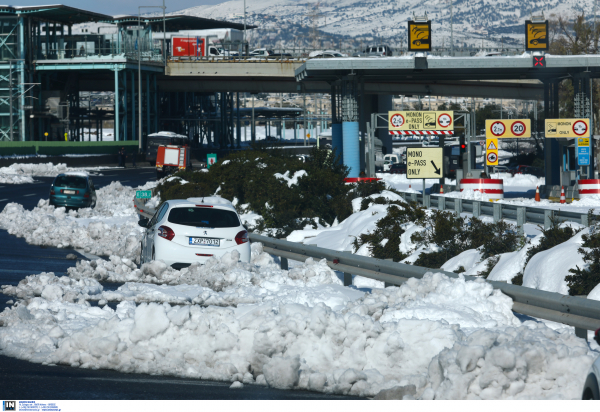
x=583, y=142
x=419, y=36
x=536, y=35
x=511, y=128
x=491, y=152
x=414, y=120
x=567, y=128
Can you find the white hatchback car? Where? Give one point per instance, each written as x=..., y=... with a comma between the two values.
x=183, y=232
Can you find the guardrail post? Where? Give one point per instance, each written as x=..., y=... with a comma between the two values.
x=427, y=201
x=580, y=332
x=347, y=279
x=497, y=212
x=521, y=217
x=476, y=209
x=283, y=263
x=441, y=203
x=458, y=206
x=548, y=216
x=584, y=220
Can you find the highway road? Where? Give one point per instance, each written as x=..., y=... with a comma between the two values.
x=22, y=380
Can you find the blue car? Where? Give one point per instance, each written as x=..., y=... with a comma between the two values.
x=73, y=191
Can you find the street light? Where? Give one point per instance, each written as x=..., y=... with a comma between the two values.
x=140, y=65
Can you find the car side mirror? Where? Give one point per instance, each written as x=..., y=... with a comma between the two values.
x=143, y=222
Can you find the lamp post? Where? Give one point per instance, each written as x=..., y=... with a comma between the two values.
x=140, y=64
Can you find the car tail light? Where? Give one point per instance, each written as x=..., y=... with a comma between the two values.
x=166, y=232
x=86, y=195
x=241, y=237
x=203, y=254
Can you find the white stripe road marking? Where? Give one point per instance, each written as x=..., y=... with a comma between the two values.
x=31, y=194
x=3, y=200
x=124, y=180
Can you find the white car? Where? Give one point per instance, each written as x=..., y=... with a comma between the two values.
x=591, y=388
x=183, y=232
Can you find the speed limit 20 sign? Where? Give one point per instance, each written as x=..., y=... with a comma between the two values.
x=510, y=128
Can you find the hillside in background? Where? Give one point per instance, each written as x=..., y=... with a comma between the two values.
x=355, y=23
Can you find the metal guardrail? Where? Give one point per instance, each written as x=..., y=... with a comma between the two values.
x=575, y=311
x=498, y=211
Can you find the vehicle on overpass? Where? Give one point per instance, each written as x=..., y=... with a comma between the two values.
x=325, y=54
x=155, y=140
x=389, y=160
x=268, y=54
x=184, y=47
x=380, y=50
x=186, y=231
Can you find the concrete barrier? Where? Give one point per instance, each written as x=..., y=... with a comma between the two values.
x=493, y=188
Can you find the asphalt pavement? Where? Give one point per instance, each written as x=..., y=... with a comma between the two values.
x=22, y=380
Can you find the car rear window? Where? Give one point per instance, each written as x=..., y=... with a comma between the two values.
x=203, y=217
x=76, y=182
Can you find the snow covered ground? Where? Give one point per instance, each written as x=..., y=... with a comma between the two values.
x=19, y=173
x=253, y=323
x=300, y=329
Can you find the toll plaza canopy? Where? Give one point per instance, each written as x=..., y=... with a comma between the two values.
x=56, y=13
x=67, y=15
x=176, y=22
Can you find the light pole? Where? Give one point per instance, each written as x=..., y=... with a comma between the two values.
x=244, y=42
x=140, y=64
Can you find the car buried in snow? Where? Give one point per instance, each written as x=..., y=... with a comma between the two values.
x=73, y=190
x=183, y=232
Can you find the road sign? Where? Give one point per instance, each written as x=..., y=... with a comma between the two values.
x=491, y=152
x=567, y=128
x=425, y=163
x=536, y=35
x=143, y=194
x=508, y=128
x=211, y=159
x=583, y=151
x=419, y=36
x=421, y=120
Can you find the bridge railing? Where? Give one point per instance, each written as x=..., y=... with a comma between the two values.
x=581, y=313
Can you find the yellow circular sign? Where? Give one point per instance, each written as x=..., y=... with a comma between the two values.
x=308, y=135
x=46, y=134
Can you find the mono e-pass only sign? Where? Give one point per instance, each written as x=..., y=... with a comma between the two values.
x=424, y=163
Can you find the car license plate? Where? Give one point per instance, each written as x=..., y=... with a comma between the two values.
x=69, y=192
x=205, y=241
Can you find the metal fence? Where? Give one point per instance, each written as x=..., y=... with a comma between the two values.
x=575, y=311
x=498, y=211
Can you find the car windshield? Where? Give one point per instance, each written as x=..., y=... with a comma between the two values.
x=203, y=217
x=158, y=142
x=76, y=182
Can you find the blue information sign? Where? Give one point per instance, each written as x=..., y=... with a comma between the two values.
x=583, y=160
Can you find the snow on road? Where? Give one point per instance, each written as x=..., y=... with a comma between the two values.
x=19, y=173
x=253, y=323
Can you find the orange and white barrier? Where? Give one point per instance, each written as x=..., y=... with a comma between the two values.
x=493, y=188
x=563, y=200
x=588, y=187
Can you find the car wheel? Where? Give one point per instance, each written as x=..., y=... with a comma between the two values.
x=590, y=389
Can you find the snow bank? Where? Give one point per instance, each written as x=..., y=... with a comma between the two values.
x=18, y=173
x=473, y=347
x=108, y=229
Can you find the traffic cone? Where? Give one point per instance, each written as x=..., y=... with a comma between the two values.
x=441, y=189
x=537, y=194
x=562, y=195
x=409, y=186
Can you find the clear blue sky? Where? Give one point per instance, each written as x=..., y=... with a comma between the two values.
x=113, y=7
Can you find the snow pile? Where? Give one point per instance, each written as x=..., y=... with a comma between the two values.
x=109, y=229
x=51, y=288
x=291, y=181
x=215, y=274
x=485, y=354
x=18, y=173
